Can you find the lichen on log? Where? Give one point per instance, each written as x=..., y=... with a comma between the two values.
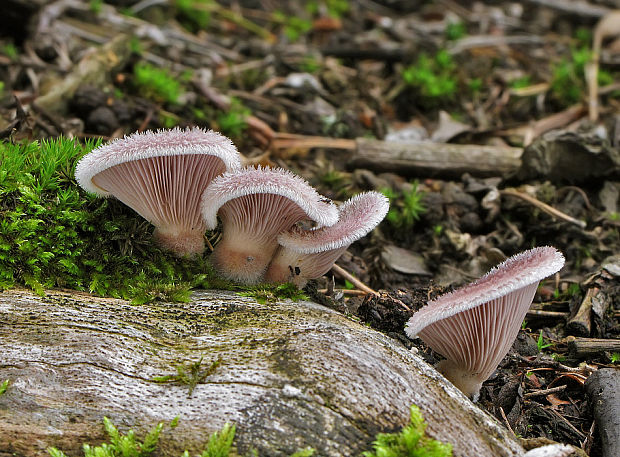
x=292, y=375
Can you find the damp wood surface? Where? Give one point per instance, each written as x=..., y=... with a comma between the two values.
x=292, y=375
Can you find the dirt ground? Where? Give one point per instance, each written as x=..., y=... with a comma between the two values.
x=314, y=86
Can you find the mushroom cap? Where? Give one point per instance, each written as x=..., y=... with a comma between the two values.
x=514, y=273
x=474, y=326
x=174, y=142
x=358, y=216
x=268, y=181
x=161, y=175
x=309, y=254
x=255, y=206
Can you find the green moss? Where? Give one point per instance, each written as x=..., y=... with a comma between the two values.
x=411, y=441
x=191, y=15
x=232, y=122
x=156, y=83
x=270, y=293
x=307, y=452
x=55, y=235
x=568, y=84
x=120, y=445
x=190, y=374
x=4, y=386
x=405, y=207
x=455, y=31
x=219, y=444
x=433, y=78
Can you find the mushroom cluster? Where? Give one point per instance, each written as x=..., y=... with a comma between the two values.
x=275, y=226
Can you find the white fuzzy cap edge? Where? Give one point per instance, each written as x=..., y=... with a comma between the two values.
x=159, y=143
x=278, y=181
x=358, y=216
x=513, y=274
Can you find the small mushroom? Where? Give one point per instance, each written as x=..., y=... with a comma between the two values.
x=162, y=175
x=475, y=325
x=309, y=254
x=255, y=205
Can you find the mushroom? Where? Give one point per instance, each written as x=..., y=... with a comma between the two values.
x=255, y=205
x=475, y=325
x=309, y=254
x=162, y=175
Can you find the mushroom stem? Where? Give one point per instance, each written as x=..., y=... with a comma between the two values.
x=467, y=382
x=182, y=242
x=245, y=262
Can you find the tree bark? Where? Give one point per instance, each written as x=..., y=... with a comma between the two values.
x=292, y=374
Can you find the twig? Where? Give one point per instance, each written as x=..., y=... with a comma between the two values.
x=540, y=393
x=501, y=411
x=237, y=19
x=579, y=8
x=258, y=128
x=579, y=434
x=292, y=141
x=487, y=41
x=543, y=206
x=355, y=292
x=580, y=191
x=528, y=91
x=555, y=365
x=586, y=445
x=145, y=122
x=353, y=280
x=607, y=26
x=554, y=121
x=550, y=314
x=581, y=322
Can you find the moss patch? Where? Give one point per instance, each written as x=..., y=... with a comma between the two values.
x=53, y=234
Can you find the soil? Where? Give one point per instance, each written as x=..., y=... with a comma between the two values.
x=265, y=73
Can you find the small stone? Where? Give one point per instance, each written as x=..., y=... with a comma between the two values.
x=102, y=120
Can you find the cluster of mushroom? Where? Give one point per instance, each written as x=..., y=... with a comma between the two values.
x=275, y=226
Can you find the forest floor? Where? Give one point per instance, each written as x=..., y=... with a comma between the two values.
x=326, y=88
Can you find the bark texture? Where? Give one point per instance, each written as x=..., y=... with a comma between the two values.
x=293, y=374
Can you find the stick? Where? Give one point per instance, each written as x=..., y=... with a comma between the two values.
x=579, y=8
x=539, y=313
x=582, y=347
x=354, y=292
x=501, y=411
x=292, y=141
x=433, y=159
x=581, y=322
x=540, y=393
x=352, y=279
x=543, y=206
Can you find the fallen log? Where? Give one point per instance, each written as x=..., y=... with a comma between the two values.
x=291, y=375
x=435, y=159
x=584, y=347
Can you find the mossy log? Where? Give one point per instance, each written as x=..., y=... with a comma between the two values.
x=292, y=375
